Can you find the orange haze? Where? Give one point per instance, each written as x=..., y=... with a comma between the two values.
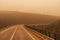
x=49, y=7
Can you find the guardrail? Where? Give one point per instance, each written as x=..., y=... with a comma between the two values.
x=53, y=35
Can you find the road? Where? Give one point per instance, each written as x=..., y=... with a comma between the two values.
x=17, y=32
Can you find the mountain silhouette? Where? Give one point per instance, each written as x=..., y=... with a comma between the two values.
x=13, y=17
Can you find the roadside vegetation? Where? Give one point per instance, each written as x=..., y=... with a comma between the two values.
x=52, y=30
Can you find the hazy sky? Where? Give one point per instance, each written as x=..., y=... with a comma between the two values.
x=50, y=7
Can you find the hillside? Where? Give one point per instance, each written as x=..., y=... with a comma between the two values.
x=54, y=27
x=13, y=17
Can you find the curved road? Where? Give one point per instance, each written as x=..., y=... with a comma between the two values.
x=15, y=33
x=19, y=32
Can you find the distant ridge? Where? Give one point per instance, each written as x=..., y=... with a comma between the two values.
x=14, y=17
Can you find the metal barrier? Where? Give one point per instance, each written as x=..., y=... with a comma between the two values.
x=47, y=33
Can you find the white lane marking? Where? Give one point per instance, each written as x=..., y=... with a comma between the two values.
x=5, y=30
x=29, y=34
x=42, y=36
x=13, y=34
x=47, y=36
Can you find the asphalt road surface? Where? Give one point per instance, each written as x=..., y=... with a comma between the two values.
x=15, y=33
x=19, y=32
